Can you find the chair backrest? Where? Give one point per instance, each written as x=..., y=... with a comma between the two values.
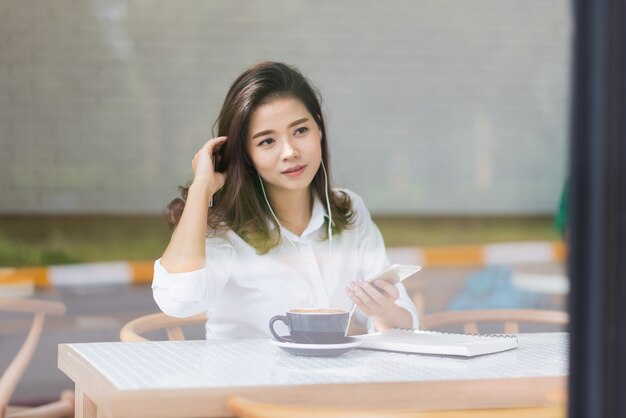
x=245, y=408
x=511, y=318
x=18, y=365
x=173, y=326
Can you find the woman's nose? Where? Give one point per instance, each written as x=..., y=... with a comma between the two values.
x=289, y=151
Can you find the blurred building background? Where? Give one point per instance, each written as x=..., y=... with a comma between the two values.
x=433, y=107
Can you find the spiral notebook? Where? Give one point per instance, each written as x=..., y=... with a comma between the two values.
x=437, y=343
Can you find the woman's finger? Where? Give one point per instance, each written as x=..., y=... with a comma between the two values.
x=360, y=304
x=213, y=143
x=388, y=288
x=374, y=294
x=202, y=163
x=365, y=297
x=352, y=297
x=210, y=147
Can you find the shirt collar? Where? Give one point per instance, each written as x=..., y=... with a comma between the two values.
x=317, y=220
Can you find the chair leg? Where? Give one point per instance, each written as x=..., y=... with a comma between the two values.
x=175, y=334
x=13, y=373
x=60, y=408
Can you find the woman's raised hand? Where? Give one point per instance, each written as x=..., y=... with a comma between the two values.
x=204, y=173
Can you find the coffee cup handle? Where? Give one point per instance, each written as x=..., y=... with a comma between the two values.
x=278, y=337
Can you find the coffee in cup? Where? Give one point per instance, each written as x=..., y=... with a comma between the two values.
x=313, y=325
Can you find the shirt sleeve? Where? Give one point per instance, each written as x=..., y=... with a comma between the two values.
x=373, y=259
x=186, y=294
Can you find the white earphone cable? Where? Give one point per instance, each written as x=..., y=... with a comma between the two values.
x=330, y=231
x=273, y=214
x=330, y=227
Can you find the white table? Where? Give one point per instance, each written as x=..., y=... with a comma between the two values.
x=194, y=378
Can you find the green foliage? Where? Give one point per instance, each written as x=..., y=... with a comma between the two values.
x=33, y=241
x=14, y=254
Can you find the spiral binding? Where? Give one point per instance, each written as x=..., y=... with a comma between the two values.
x=458, y=333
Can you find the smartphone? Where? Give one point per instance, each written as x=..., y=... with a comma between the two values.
x=396, y=273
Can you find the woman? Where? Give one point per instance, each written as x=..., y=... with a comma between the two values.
x=262, y=191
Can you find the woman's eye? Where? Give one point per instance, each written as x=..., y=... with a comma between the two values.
x=302, y=130
x=266, y=141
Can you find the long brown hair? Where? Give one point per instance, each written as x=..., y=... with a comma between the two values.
x=240, y=205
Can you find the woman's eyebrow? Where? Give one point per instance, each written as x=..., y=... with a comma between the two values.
x=294, y=123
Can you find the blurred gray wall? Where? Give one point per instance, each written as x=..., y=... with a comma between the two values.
x=433, y=106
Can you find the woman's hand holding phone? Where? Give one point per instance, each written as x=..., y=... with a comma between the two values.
x=376, y=297
x=376, y=300
x=203, y=165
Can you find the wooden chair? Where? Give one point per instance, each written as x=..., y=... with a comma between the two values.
x=173, y=326
x=245, y=408
x=11, y=376
x=510, y=317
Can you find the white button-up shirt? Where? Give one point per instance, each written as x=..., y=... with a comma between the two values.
x=241, y=290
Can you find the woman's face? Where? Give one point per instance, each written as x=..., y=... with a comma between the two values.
x=284, y=144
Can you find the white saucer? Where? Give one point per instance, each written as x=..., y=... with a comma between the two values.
x=319, y=350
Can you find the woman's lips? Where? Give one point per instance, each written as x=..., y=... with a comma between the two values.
x=295, y=172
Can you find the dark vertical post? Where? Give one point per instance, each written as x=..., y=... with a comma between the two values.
x=597, y=240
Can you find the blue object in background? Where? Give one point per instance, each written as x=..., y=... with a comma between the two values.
x=492, y=288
